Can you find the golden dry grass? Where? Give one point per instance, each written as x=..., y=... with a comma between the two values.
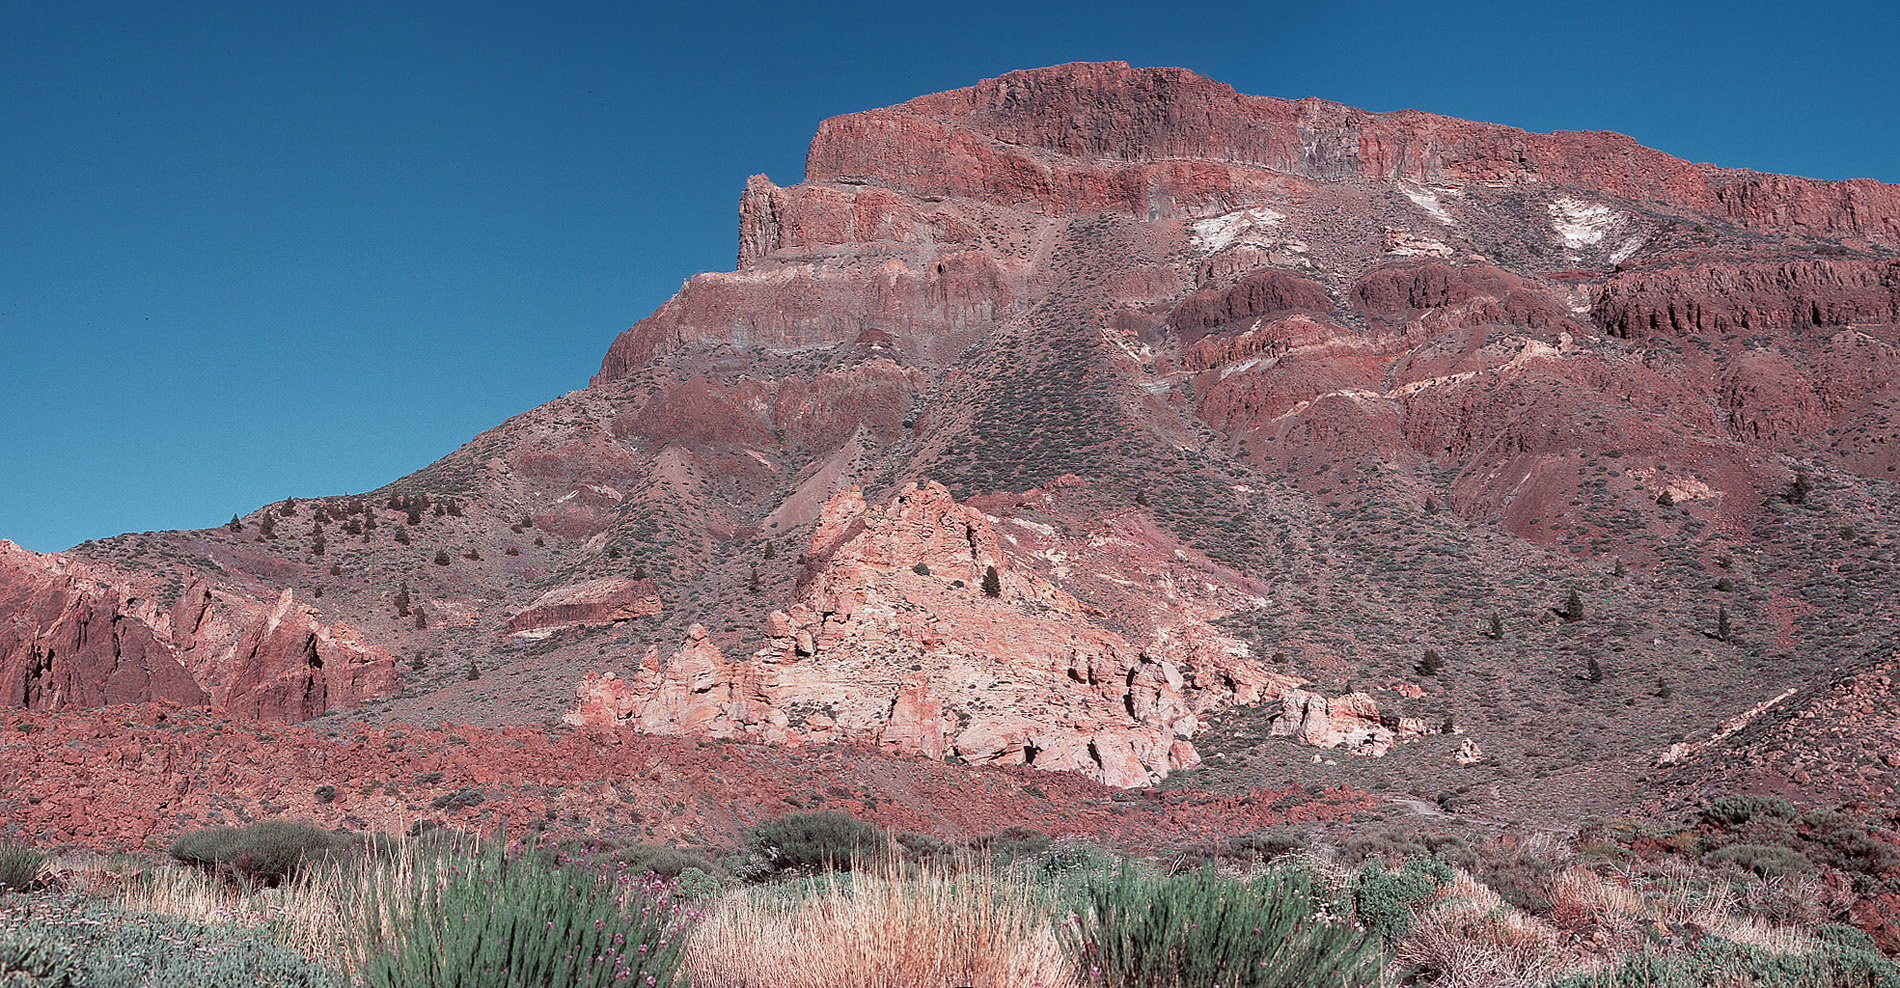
x=935, y=928
x=1471, y=938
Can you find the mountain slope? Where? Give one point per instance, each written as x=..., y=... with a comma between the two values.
x=1286, y=383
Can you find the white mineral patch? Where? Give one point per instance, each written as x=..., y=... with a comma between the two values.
x=1581, y=224
x=1241, y=226
x=1427, y=201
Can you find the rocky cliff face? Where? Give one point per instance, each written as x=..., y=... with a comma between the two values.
x=894, y=642
x=78, y=636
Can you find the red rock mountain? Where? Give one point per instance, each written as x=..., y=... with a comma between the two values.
x=1247, y=402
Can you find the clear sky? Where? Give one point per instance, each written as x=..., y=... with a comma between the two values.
x=254, y=250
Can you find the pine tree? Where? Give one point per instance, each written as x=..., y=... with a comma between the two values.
x=402, y=601
x=1595, y=674
x=1496, y=631
x=1723, y=630
x=1430, y=664
x=1798, y=491
x=402, y=534
x=1573, y=608
x=442, y=557
x=992, y=583
x=267, y=527
x=474, y=671
x=317, y=545
x=639, y=571
x=418, y=662
x=422, y=620
x=755, y=584
x=1665, y=499
x=234, y=524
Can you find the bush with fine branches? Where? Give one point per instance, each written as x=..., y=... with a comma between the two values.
x=265, y=853
x=1202, y=930
x=496, y=921
x=808, y=842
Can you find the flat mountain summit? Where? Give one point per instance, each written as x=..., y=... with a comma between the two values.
x=1105, y=421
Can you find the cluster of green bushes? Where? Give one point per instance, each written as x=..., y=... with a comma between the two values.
x=1841, y=963
x=519, y=921
x=1202, y=930
x=1766, y=835
x=263, y=854
x=92, y=945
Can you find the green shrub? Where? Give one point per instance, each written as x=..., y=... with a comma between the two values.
x=1383, y=900
x=1013, y=843
x=1842, y=841
x=264, y=853
x=696, y=884
x=95, y=946
x=34, y=961
x=1262, y=846
x=1721, y=964
x=1204, y=931
x=19, y=865
x=1733, y=811
x=808, y=842
x=1069, y=856
x=1766, y=860
x=667, y=862
x=520, y=922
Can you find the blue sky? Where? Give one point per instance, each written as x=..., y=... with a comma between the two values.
x=257, y=250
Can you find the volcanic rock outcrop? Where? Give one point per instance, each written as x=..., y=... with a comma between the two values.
x=77, y=636
x=605, y=601
x=894, y=641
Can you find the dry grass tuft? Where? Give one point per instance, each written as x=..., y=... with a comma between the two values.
x=930, y=929
x=1470, y=937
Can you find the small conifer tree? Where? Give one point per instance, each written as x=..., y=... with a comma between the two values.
x=1430, y=664
x=1723, y=629
x=1665, y=499
x=442, y=557
x=1573, y=607
x=402, y=534
x=1595, y=673
x=1799, y=490
x=402, y=601
x=1496, y=630
x=992, y=583
x=234, y=524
